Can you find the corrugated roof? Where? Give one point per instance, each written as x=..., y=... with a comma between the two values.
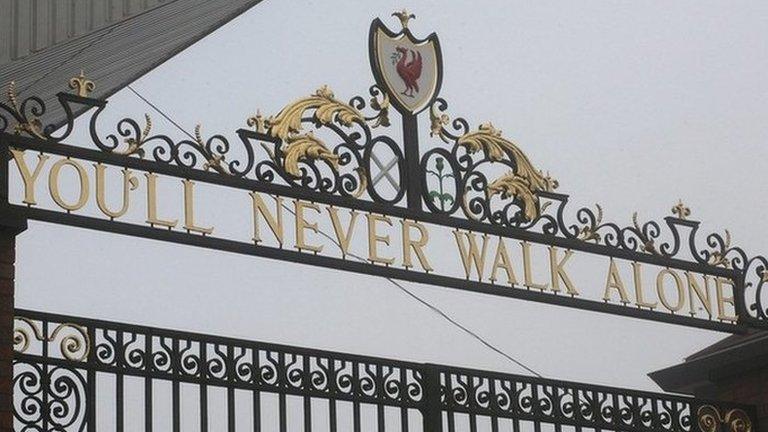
x=113, y=54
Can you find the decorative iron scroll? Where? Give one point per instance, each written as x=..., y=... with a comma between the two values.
x=323, y=149
x=58, y=390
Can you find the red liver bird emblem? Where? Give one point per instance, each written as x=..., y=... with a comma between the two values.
x=409, y=70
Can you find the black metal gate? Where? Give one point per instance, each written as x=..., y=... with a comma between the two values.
x=77, y=374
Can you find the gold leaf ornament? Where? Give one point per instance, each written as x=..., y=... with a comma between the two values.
x=303, y=148
x=327, y=109
x=513, y=185
x=488, y=139
x=437, y=122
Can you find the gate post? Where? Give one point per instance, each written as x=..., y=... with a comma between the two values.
x=432, y=413
x=10, y=226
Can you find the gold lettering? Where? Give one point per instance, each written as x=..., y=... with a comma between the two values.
x=53, y=184
x=662, y=293
x=639, y=296
x=302, y=225
x=374, y=239
x=189, y=209
x=557, y=272
x=129, y=184
x=415, y=245
x=343, y=238
x=152, y=217
x=275, y=223
x=614, y=282
x=468, y=257
x=704, y=297
x=29, y=178
x=722, y=300
x=502, y=261
x=527, y=272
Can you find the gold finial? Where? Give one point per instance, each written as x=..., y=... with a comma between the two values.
x=82, y=84
x=764, y=276
x=259, y=122
x=404, y=17
x=550, y=183
x=681, y=210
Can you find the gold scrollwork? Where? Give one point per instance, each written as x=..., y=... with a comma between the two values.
x=437, y=122
x=306, y=147
x=489, y=139
x=523, y=183
x=513, y=185
x=74, y=346
x=82, y=85
x=710, y=419
x=33, y=126
x=327, y=109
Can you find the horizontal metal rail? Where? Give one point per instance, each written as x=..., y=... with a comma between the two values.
x=67, y=368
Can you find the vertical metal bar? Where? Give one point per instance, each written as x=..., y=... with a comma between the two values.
x=119, y=384
x=472, y=422
x=148, y=383
x=380, y=406
x=493, y=404
x=451, y=420
x=535, y=406
x=403, y=419
x=307, y=385
x=203, y=386
x=230, y=365
x=412, y=161
x=256, y=393
x=332, y=387
x=471, y=402
x=282, y=375
x=283, y=416
x=46, y=379
x=332, y=415
x=356, y=426
x=175, y=373
x=231, y=409
x=432, y=411
x=90, y=397
x=380, y=417
x=119, y=404
x=256, y=411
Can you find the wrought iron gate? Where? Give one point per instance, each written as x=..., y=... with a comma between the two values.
x=77, y=374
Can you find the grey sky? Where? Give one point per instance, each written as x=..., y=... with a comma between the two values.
x=629, y=104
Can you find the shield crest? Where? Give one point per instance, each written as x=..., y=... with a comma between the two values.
x=407, y=68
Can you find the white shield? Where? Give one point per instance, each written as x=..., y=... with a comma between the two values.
x=408, y=69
